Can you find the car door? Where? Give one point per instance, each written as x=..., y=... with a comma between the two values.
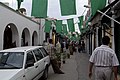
x=30, y=70
x=40, y=61
x=46, y=55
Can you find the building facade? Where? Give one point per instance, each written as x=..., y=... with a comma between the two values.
x=18, y=30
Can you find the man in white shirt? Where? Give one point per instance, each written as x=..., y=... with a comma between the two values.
x=105, y=61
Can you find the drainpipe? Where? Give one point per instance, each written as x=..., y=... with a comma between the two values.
x=112, y=25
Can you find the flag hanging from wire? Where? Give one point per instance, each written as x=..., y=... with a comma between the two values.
x=80, y=22
x=97, y=5
x=65, y=28
x=59, y=26
x=19, y=3
x=68, y=7
x=47, y=26
x=70, y=23
x=39, y=8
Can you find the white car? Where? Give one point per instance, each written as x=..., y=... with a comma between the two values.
x=24, y=63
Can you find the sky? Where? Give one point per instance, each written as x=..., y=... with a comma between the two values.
x=53, y=8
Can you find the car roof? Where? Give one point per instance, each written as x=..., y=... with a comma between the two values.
x=20, y=49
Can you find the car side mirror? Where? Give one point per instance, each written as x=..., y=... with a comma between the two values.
x=29, y=64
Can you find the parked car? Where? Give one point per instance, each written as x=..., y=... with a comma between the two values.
x=24, y=63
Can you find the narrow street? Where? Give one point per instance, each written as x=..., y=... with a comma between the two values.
x=76, y=68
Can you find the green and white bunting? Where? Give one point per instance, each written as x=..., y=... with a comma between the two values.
x=97, y=5
x=39, y=8
x=59, y=26
x=47, y=26
x=70, y=23
x=68, y=7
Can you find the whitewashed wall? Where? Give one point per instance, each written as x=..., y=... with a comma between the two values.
x=8, y=15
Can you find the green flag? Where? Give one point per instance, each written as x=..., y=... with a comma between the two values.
x=19, y=3
x=68, y=7
x=81, y=22
x=47, y=26
x=59, y=26
x=39, y=8
x=65, y=29
x=70, y=23
x=97, y=5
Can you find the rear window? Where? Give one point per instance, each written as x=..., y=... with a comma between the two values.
x=44, y=51
x=38, y=54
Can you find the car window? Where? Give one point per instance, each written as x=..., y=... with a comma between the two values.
x=30, y=58
x=38, y=54
x=44, y=51
x=13, y=60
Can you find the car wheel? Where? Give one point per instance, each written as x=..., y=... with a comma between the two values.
x=45, y=74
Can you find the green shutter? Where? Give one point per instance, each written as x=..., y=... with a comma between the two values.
x=97, y=5
x=59, y=26
x=71, y=25
x=47, y=26
x=39, y=8
x=68, y=7
x=19, y=3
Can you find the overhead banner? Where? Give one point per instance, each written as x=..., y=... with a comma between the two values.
x=47, y=26
x=97, y=5
x=68, y=7
x=80, y=22
x=39, y=8
x=59, y=26
x=70, y=23
x=65, y=28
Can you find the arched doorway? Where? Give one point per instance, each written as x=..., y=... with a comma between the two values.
x=25, y=38
x=34, y=39
x=11, y=37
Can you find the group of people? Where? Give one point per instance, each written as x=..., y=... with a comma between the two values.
x=58, y=53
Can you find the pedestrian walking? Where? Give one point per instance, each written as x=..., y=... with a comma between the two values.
x=67, y=50
x=71, y=48
x=53, y=60
x=58, y=53
x=63, y=50
x=105, y=61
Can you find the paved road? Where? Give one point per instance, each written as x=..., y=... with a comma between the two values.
x=82, y=60
x=76, y=68
x=69, y=68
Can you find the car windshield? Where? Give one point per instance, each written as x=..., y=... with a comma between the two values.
x=11, y=60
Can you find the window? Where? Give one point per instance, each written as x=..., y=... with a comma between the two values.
x=30, y=58
x=44, y=51
x=38, y=54
x=13, y=60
